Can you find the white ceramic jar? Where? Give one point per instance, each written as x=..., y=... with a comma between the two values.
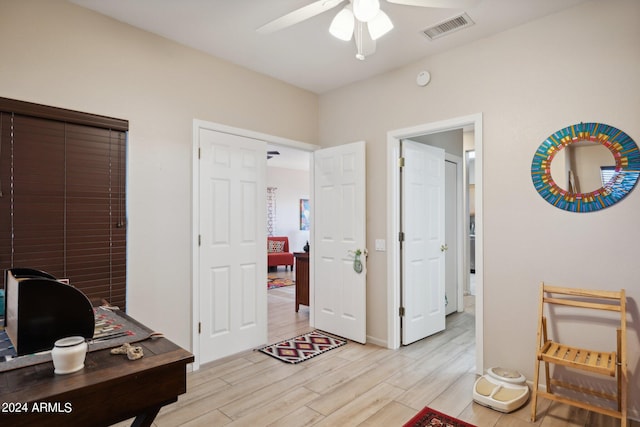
x=68, y=355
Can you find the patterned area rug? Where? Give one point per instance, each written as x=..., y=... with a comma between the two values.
x=431, y=418
x=303, y=347
x=278, y=282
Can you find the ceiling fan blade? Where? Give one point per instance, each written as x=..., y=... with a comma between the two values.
x=444, y=4
x=299, y=15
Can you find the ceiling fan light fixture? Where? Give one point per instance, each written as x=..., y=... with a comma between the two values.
x=342, y=25
x=366, y=10
x=365, y=45
x=380, y=25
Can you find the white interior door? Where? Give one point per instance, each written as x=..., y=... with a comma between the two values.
x=339, y=231
x=423, y=249
x=232, y=252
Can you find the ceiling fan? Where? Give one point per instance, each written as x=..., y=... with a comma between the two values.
x=354, y=17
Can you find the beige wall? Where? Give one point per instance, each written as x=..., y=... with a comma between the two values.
x=292, y=185
x=58, y=54
x=578, y=65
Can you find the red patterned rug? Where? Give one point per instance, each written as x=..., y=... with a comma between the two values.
x=278, y=282
x=431, y=418
x=303, y=347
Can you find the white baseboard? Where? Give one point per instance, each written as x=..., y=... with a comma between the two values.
x=376, y=341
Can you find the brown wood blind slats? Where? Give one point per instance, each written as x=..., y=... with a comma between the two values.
x=62, y=208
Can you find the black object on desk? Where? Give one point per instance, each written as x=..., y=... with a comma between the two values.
x=40, y=310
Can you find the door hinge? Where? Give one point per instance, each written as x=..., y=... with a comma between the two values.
x=199, y=327
x=400, y=162
x=401, y=311
x=199, y=153
x=401, y=236
x=199, y=240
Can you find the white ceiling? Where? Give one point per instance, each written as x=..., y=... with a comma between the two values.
x=306, y=55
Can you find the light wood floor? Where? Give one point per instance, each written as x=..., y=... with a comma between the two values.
x=354, y=385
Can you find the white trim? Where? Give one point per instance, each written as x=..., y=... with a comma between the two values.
x=393, y=265
x=195, y=265
x=393, y=249
x=467, y=221
x=376, y=341
x=312, y=240
x=269, y=139
x=461, y=240
x=195, y=191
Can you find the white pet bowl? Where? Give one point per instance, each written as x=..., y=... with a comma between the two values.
x=68, y=355
x=501, y=389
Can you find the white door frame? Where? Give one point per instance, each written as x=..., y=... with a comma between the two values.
x=460, y=261
x=195, y=209
x=393, y=215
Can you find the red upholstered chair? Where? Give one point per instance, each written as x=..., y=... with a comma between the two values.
x=278, y=252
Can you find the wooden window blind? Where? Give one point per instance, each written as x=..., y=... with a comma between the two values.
x=63, y=198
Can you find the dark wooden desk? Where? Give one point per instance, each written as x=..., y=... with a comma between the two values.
x=108, y=390
x=302, y=278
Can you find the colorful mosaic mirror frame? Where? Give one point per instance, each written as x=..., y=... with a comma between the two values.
x=627, y=168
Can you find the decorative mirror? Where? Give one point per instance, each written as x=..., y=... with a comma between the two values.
x=594, y=166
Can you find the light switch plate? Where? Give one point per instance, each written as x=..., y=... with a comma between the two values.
x=381, y=245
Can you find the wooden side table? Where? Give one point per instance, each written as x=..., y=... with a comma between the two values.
x=109, y=388
x=302, y=278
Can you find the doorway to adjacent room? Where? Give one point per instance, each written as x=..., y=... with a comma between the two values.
x=467, y=124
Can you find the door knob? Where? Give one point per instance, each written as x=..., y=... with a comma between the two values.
x=443, y=247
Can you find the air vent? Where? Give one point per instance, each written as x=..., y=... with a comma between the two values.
x=448, y=26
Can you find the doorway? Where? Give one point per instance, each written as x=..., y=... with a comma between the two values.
x=467, y=123
x=288, y=195
x=337, y=237
x=431, y=230
x=227, y=136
